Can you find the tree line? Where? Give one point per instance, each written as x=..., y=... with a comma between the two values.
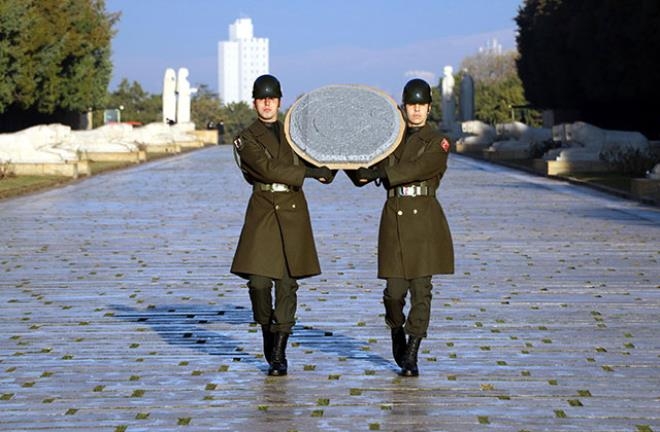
x=498, y=91
x=591, y=59
x=54, y=59
x=206, y=109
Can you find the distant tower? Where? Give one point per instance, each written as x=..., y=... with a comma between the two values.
x=241, y=60
x=493, y=47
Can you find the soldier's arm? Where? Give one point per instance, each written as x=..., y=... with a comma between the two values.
x=266, y=169
x=431, y=163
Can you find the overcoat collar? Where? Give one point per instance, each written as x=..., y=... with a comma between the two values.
x=411, y=146
x=266, y=137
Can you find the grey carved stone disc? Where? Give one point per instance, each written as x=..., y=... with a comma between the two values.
x=344, y=126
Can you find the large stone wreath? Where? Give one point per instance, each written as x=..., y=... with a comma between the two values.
x=344, y=126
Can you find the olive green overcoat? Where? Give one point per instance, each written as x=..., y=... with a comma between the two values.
x=277, y=230
x=414, y=239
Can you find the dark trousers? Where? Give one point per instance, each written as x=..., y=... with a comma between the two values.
x=394, y=299
x=280, y=317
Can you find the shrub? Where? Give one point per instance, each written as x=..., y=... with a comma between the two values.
x=629, y=161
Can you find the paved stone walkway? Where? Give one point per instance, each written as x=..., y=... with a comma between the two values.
x=119, y=312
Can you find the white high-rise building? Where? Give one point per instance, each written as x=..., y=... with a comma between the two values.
x=241, y=60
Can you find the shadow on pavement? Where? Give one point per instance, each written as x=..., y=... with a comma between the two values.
x=184, y=325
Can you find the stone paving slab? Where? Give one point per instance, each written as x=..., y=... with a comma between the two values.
x=120, y=314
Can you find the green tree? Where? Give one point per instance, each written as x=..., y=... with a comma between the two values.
x=135, y=104
x=595, y=58
x=14, y=22
x=490, y=66
x=205, y=107
x=54, y=58
x=498, y=91
x=138, y=105
x=237, y=116
x=435, y=117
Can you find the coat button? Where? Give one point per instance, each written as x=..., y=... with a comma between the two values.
x=400, y=212
x=293, y=206
x=277, y=207
x=415, y=211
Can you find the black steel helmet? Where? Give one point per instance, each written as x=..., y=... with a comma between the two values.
x=416, y=91
x=266, y=86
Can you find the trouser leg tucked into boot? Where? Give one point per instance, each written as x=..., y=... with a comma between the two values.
x=262, y=309
x=269, y=339
x=398, y=345
x=278, y=364
x=409, y=368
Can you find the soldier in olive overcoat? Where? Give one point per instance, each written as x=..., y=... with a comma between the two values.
x=414, y=240
x=276, y=245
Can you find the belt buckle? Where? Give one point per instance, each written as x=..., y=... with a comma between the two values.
x=408, y=191
x=279, y=187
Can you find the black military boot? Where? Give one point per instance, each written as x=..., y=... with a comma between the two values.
x=409, y=368
x=398, y=345
x=278, y=364
x=268, y=342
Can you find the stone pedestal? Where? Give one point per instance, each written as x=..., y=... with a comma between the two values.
x=207, y=136
x=67, y=169
x=161, y=148
x=564, y=167
x=131, y=157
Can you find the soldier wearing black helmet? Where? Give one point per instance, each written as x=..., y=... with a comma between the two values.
x=414, y=241
x=276, y=245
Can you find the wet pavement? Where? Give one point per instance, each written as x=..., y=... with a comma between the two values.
x=119, y=312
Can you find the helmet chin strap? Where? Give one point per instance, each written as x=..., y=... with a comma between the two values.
x=402, y=109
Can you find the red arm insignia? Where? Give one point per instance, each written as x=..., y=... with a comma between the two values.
x=445, y=144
